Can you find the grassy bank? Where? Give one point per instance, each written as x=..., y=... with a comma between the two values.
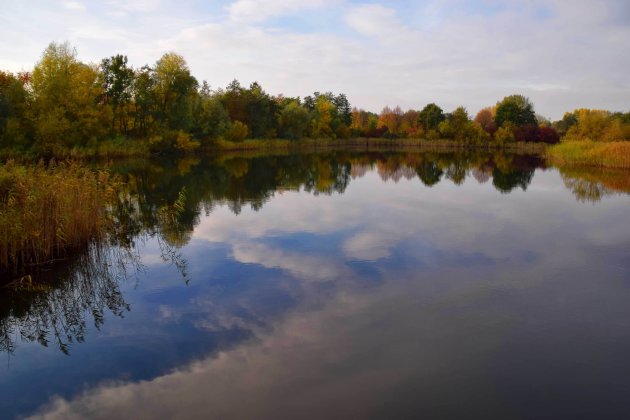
x=372, y=143
x=590, y=153
x=46, y=213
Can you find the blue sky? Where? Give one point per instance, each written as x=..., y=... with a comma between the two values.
x=408, y=53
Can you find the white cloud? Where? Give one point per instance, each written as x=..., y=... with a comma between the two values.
x=308, y=267
x=561, y=57
x=373, y=20
x=73, y=5
x=261, y=10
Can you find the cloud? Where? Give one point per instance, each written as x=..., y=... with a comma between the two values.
x=373, y=20
x=73, y=5
x=308, y=267
x=254, y=11
x=451, y=52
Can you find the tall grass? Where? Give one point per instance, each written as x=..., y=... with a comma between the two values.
x=590, y=153
x=47, y=212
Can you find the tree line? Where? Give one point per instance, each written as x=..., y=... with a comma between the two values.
x=64, y=104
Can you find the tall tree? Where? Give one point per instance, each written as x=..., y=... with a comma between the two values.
x=431, y=116
x=144, y=100
x=14, y=102
x=118, y=84
x=175, y=89
x=517, y=110
x=294, y=121
x=486, y=120
x=67, y=100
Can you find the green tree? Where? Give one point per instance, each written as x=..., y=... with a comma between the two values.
x=14, y=103
x=517, y=110
x=175, y=90
x=144, y=100
x=118, y=84
x=430, y=117
x=294, y=121
x=261, y=111
x=211, y=120
x=568, y=120
x=460, y=123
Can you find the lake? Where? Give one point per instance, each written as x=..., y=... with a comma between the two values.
x=336, y=285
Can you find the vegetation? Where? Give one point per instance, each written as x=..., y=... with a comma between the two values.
x=589, y=153
x=593, y=138
x=68, y=108
x=47, y=213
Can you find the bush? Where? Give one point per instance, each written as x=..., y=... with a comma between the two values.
x=184, y=143
x=237, y=132
x=433, y=135
x=504, y=134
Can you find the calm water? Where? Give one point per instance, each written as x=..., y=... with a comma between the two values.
x=337, y=285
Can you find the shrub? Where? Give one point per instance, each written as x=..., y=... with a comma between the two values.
x=184, y=143
x=504, y=134
x=237, y=132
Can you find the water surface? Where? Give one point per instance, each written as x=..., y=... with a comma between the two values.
x=337, y=285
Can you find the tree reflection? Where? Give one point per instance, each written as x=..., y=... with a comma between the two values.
x=49, y=311
x=593, y=184
x=54, y=305
x=165, y=200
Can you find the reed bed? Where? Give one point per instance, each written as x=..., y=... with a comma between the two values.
x=48, y=212
x=589, y=153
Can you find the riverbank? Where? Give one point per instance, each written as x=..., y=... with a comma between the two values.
x=590, y=153
x=372, y=143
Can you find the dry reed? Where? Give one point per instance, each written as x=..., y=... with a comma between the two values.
x=47, y=212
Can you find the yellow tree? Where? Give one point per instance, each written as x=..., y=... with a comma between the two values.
x=67, y=106
x=324, y=109
x=391, y=119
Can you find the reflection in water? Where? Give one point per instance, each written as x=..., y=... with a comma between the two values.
x=57, y=311
x=340, y=285
x=593, y=184
x=237, y=181
x=193, y=188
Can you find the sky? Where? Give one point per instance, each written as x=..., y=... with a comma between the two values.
x=562, y=55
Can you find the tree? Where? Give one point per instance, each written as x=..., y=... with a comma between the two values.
x=344, y=111
x=118, y=84
x=67, y=95
x=460, y=122
x=409, y=124
x=294, y=121
x=485, y=119
x=14, y=101
x=430, y=117
x=568, y=120
x=324, y=110
x=234, y=101
x=144, y=99
x=175, y=89
x=261, y=111
x=517, y=110
x=390, y=118
x=211, y=120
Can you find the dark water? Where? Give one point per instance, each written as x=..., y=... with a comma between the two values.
x=337, y=285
